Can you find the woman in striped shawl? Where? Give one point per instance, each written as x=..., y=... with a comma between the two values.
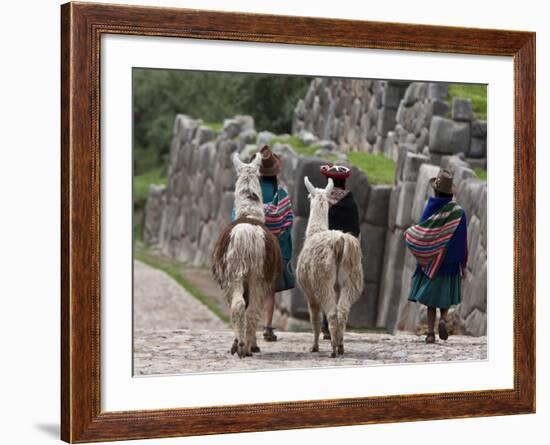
x=278, y=220
x=439, y=244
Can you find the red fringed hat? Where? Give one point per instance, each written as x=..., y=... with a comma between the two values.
x=335, y=171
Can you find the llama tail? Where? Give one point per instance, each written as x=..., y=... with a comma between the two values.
x=350, y=269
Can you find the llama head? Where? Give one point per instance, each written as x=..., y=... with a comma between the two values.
x=318, y=215
x=248, y=193
x=319, y=195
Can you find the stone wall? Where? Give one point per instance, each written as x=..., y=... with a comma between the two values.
x=356, y=114
x=406, y=122
x=379, y=116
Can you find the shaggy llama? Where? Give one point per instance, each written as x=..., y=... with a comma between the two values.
x=246, y=259
x=329, y=270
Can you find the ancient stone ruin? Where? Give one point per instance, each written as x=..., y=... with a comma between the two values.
x=411, y=123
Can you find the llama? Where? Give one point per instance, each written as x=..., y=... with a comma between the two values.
x=329, y=270
x=246, y=260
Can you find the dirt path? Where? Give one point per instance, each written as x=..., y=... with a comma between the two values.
x=175, y=333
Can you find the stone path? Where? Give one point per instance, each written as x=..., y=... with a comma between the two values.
x=183, y=351
x=176, y=334
x=161, y=304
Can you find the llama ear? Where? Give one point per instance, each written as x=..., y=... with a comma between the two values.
x=237, y=161
x=309, y=186
x=257, y=160
x=329, y=187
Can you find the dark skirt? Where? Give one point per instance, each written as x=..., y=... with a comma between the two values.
x=443, y=291
x=287, y=280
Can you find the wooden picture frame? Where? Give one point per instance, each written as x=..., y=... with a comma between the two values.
x=82, y=26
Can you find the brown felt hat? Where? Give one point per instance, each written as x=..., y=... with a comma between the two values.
x=271, y=163
x=443, y=182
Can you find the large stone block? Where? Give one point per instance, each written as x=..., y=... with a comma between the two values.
x=392, y=206
x=226, y=207
x=407, y=116
x=373, y=242
x=403, y=216
x=358, y=184
x=462, y=109
x=247, y=137
x=227, y=148
x=231, y=128
x=246, y=122
x=389, y=297
x=474, y=295
x=448, y=136
x=439, y=107
x=479, y=129
x=438, y=90
x=152, y=218
x=205, y=134
x=423, y=140
x=413, y=162
x=403, y=150
x=416, y=91
x=478, y=148
x=468, y=195
x=185, y=128
x=363, y=312
x=264, y=138
x=482, y=214
x=378, y=205
x=476, y=323
x=422, y=190
x=386, y=121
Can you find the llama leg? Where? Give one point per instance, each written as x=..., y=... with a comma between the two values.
x=253, y=314
x=343, y=312
x=315, y=317
x=238, y=318
x=333, y=328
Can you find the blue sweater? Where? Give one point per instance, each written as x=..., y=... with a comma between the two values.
x=457, y=249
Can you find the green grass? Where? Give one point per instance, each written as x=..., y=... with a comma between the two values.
x=480, y=173
x=156, y=175
x=216, y=126
x=377, y=167
x=173, y=269
x=298, y=146
x=476, y=93
x=143, y=181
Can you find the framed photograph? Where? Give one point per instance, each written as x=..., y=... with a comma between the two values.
x=274, y=222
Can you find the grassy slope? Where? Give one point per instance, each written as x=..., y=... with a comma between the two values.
x=378, y=168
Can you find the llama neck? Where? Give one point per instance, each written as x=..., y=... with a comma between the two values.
x=318, y=218
x=248, y=199
x=249, y=209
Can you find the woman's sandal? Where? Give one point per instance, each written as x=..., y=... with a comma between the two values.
x=430, y=338
x=442, y=328
x=268, y=334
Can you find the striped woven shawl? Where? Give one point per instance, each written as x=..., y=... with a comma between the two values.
x=278, y=212
x=429, y=239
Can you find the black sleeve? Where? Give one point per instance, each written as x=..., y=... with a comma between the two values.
x=354, y=220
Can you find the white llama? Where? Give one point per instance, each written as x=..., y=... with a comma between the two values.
x=329, y=270
x=246, y=259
